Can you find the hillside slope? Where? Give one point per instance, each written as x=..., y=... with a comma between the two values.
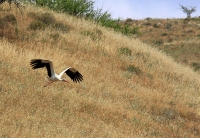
x=178, y=38
x=129, y=88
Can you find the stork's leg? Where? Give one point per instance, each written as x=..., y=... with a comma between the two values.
x=50, y=82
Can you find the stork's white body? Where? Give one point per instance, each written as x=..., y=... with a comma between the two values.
x=56, y=77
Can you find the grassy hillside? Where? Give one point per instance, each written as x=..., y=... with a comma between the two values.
x=129, y=90
x=178, y=38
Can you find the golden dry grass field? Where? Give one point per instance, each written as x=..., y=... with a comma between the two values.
x=129, y=90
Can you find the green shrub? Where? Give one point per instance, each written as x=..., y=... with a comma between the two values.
x=55, y=36
x=147, y=24
x=169, y=113
x=186, y=20
x=155, y=25
x=129, y=31
x=2, y=26
x=168, y=25
x=46, y=18
x=2, y=23
x=72, y=7
x=164, y=34
x=189, y=31
x=129, y=20
x=98, y=32
x=10, y=18
x=148, y=18
x=196, y=66
x=159, y=42
x=94, y=35
x=104, y=18
x=84, y=8
x=125, y=51
x=89, y=33
x=176, y=22
x=47, y=3
x=133, y=69
x=6, y=29
x=36, y=25
x=60, y=26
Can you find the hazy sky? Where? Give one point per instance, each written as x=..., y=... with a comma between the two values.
x=140, y=9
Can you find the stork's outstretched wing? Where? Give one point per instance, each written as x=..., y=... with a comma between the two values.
x=40, y=63
x=74, y=75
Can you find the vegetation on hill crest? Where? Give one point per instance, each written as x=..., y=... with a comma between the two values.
x=179, y=38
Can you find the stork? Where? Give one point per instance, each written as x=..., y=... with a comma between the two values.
x=71, y=72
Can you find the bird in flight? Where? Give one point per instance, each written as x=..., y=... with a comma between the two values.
x=71, y=72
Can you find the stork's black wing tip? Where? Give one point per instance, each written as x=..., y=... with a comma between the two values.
x=78, y=78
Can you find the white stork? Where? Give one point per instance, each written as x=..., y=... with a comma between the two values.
x=71, y=72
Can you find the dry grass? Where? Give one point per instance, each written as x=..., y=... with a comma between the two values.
x=178, y=38
x=163, y=100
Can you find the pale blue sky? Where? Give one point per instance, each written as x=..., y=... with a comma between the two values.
x=140, y=9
